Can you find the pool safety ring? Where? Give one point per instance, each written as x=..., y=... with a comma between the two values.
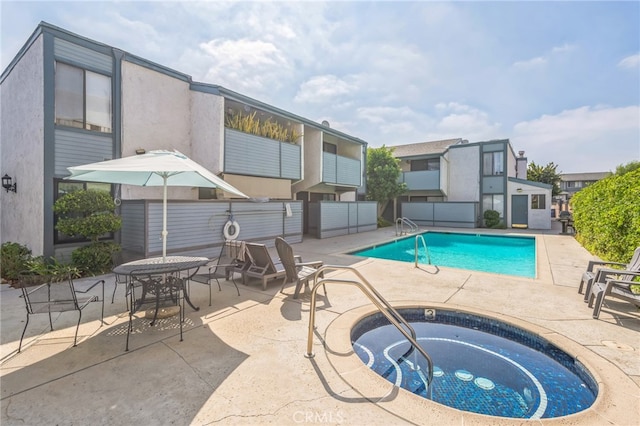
x=231, y=230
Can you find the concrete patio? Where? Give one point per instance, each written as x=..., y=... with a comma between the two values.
x=242, y=359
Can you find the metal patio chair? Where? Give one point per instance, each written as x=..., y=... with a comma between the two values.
x=59, y=296
x=160, y=290
x=232, y=259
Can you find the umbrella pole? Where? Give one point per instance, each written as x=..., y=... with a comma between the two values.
x=164, y=220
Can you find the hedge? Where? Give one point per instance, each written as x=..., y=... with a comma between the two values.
x=606, y=216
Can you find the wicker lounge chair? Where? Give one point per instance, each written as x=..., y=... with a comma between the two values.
x=593, y=274
x=262, y=265
x=297, y=272
x=59, y=296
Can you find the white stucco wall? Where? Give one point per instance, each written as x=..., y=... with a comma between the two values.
x=156, y=114
x=444, y=175
x=511, y=163
x=207, y=130
x=311, y=160
x=22, y=151
x=464, y=173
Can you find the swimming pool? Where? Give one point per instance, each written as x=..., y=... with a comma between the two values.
x=499, y=254
x=481, y=364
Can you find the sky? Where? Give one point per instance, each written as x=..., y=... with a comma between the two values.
x=560, y=80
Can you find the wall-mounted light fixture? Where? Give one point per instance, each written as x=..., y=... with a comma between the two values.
x=140, y=151
x=6, y=183
x=519, y=189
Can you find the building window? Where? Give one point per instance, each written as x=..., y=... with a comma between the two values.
x=493, y=202
x=329, y=147
x=314, y=197
x=65, y=187
x=82, y=99
x=425, y=164
x=493, y=163
x=207, y=194
x=538, y=202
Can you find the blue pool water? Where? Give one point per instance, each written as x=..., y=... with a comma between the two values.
x=481, y=365
x=498, y=254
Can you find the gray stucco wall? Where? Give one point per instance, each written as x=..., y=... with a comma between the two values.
x=21, y=133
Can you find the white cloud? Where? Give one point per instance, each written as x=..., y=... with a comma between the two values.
x=630, y=62
x=531, y=63
x=325, y=89
x=250, y=66
x=586, y=139
x=540, y=61
x=563, y=49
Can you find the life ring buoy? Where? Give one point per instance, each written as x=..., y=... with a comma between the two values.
x=231, y=230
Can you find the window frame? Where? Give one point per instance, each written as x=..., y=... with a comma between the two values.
x=330, y=148
x=538, y=202
x=85, y=125
x=489, y=167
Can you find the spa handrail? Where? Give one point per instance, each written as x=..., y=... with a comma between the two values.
x=426, y=249
x=376, y=298
x=401, y=221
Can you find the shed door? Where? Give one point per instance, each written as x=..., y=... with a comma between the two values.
x=519, y=211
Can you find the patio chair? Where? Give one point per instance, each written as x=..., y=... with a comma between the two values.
x=602, y=274
x=262, y=265
x=230, y=261
x=118, y=258
x=160, y=290
x=617, y=288
x=58, y=296
x=297, y=272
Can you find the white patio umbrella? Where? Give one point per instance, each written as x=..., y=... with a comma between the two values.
x=155, y=168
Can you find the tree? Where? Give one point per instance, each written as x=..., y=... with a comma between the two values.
x=89, y=214
x=626, y=168
x=383, y=171
x=547, y=174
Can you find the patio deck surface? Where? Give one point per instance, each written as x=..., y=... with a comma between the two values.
x=242, y=359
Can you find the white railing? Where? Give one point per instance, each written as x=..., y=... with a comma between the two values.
x=426, y=249
x=401, y=222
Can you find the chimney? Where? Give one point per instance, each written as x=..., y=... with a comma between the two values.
x=521, y=166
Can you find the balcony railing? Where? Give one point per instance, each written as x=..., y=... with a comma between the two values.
x=252, y=155
x=421, y=180
x=338, y=170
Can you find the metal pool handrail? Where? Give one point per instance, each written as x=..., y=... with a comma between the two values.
x=401, y=221
x=376, y=298
x=426, y=249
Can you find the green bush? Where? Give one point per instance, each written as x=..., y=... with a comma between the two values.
x=491, y=219
x=606, y=216
x=86, y=213
x=43, y=270
x=14, y=258
x=94, y=258
x=89, y=214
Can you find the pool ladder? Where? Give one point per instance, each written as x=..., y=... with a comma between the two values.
x=380, y=303
x=400, y=224
x=426, y=249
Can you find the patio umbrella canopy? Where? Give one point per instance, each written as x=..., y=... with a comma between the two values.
x=155, y=168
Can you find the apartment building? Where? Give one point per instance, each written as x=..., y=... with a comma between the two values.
x=68, y=100
x=453, y=182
